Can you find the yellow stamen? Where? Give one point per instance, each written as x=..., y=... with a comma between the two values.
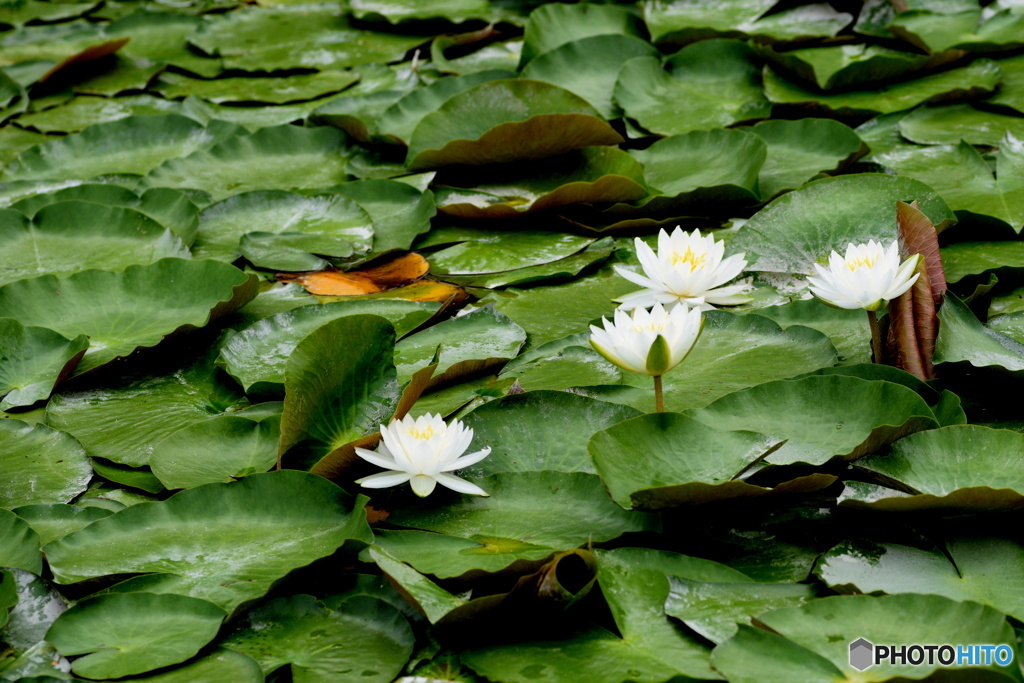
x=865, y=261
x=422, y=434
x=695, y=260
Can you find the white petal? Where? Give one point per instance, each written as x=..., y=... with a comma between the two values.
x=383, y=480
x=377, y=459
x=460, y=485
x=468, y=459
x=422, y=485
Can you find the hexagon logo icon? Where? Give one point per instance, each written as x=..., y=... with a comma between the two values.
x=862, y=654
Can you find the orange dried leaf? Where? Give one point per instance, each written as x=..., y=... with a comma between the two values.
x=398, y=271
x=423, y=290
x=394, y=273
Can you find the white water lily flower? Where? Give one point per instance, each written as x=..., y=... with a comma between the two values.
x=688, y=269
x=865, y=278
x=420, y=452
x=652, y=342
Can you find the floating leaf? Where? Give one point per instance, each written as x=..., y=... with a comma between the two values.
x=73, y=236
x=664, y=460
x=136, y=144
x=259, y=353
x=271, y=158
x=812, y=642
x=56, y=520
x=950, y=124
x=957, y=466
x=962, y=337
x=33, y=360
x=540, y=430
x=226, y=543
x=124, y=417
x=19, y=544
x=799, y=150
x=40, y=465
x=803, y=227
x=394, y=273
x=501, y=251
x=979, y=78
x=819, y=417
x=131, y=633
x=270, y=90
x=365, y=640
x=529, y=120
x=553, y=24
x=244, y=447
x=985, y=570
x=121, y=312
x=711, y=84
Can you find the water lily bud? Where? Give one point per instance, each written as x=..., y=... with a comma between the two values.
x=651, y=343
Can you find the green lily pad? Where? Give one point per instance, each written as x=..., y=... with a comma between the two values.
x=558, y=510
x=679, y=22
x=121, y=312
x=812, y=642
x=398, y=121
x=483, y=338
x=979, y=78
x=553, y=24
x=219, y=665
x=227, y=543
x=56, y=520
x=961, y=30
x=1011, y=90
x=985, y=570
x=711, y=84
x=819, y=417
x=365, y=640
x=528, y=120
x=799, y=150
x=33, y=360
x=258, y=355
x=244, y=447
x=159, y=37
x=293, y=251
x=40, y=465
x=446, y=556
x=844, y=67
x=501, y=251
x=35, y=11
x=590, y=174
x=38, y=605
x=715, y=609
x=434, y=602
x=399, y=212
x=340, y=385
x=168, y=208
x=802, y=227
x=848, y=330
x=963, y=259
x=19, y=544
x=734, y=352
x=271, y=158
x=589, y=67
x=703, y=169
x=965, y=180
x=962, y=337
x=555, y=270
x=313, y=36
x=140, y=478
x=540, y=430
x=562, y=364
x=134, y=632
x=950, y=124
x=81, y=112
x=52, y=43
x=136, y=144
x=223, y=224
x=957, y=466
x=665, y=460
x=269, y=90
x=73, y=236
x=122, y=418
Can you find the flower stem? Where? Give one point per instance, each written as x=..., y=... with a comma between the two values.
x=876, y=337
x=659, y=399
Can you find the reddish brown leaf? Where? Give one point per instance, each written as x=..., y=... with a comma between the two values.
x=919, y=237
x=913, y=328
x=89, y=54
